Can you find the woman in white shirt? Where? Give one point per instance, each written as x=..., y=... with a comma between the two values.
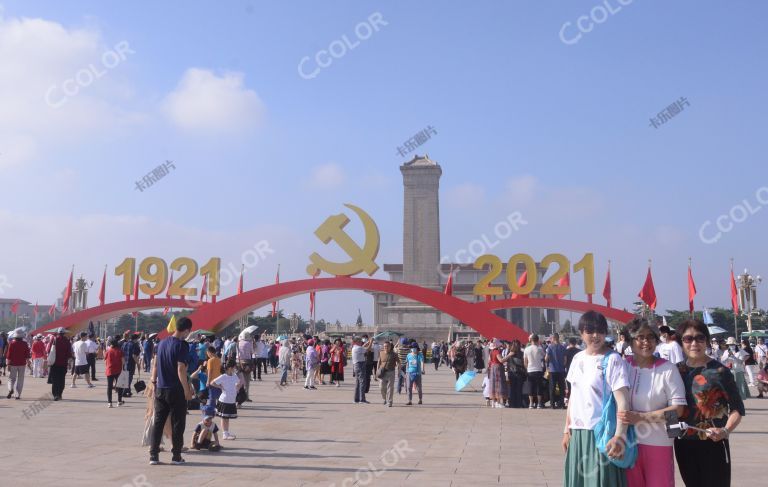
x=655, y=388
x=584, y=464
x=734, y=359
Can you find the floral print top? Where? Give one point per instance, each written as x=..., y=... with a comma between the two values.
x=711, y=394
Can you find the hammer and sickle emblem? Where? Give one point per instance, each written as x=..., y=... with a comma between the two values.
x=362, y=259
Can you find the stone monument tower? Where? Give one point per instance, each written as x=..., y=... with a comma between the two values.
x=421, y=222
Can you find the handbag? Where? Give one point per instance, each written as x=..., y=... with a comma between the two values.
x=606, y=428
x=52, y=354
x=123, y=381
x=139, y=386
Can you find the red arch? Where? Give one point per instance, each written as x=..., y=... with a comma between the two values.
x=79, y=321
x=226, y=311
x=612, y=314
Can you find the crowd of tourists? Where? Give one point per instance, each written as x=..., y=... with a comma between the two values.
x=631, y=405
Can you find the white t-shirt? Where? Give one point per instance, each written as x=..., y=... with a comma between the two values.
x=358, y=354
x=228, y=385
x=586, y=377
x=761, y=351
x=376, y=351
x=671, y=351
x=93, y=347
x=651, y=389
x=535, y=356
x=80, y=349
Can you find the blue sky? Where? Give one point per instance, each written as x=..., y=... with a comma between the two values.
x=525, y=122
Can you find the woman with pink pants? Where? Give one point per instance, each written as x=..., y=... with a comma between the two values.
x=655, y=388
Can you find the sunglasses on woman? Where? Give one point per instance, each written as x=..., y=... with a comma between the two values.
x=690, y=338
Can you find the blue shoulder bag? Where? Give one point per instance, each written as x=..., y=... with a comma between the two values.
x=606, y=428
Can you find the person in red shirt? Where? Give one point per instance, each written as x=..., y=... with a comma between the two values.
x=113, y=362
x=38, y=356
x=17, y=358
x=58, y=367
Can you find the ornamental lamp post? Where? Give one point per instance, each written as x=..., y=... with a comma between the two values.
x=747, y=285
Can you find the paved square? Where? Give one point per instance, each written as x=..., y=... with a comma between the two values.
x=293, y=437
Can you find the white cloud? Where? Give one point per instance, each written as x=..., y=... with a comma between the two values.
x=205, y=102
x=38, y=57
x=327, y=176
x=521, y=190
x=468, y=196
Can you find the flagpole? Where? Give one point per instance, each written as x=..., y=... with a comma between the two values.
x=735, y=319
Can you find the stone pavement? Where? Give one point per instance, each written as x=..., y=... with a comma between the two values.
x=293, y=437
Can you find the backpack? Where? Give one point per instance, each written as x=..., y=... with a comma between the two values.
x=460, y=360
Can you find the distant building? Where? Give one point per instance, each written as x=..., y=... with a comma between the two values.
x=421, y=266
x=26, y=314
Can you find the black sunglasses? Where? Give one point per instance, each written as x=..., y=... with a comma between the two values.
x=691, y=338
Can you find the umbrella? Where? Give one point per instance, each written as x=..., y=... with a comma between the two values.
x=203, y=332
x=387, y=334
x=464, y=379
x=755, y=333
x=282, y=337
x=714, y=330
x=248, y=332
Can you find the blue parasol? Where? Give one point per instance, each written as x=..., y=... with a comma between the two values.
x=464, y=379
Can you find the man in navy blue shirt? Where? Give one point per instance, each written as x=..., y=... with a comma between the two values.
x=555, y=359
x=149, y=349
x=131, y=352
x=171, y=391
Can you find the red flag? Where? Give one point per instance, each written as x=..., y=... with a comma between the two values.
x=277, y=281
x=136, y=288
x=68, y=292
x=520, y=283
x=240, y=283
x=449, y=283
x=734, y=295
x=564, y=281
x=204, y=290
x=103, y=289
x=607, y=287
x=168, y=292
x=648, y=293
x=488, y=298
x=35, y=311
x=312, y=301
x=15, y=307
x=691, y=289
x=52, y=310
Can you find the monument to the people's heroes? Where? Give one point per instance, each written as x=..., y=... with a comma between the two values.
x=422, y=266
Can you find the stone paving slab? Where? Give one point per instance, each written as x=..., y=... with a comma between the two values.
x=293, y=437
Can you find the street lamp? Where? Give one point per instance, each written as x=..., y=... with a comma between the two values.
x=748, y=295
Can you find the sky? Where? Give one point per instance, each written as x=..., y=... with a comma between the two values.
x=539, y=108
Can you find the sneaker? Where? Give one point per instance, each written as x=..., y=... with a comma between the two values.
x=313, y=387
x=390, y=404
x=178, y=461
x=93, y=379
x=540, y=406
x=409, y=403
x=72, y=386
x=91, y=386
x=57, y=398
x=364, y=401
x=306, y=387
x=419, y=401
x=109, y=405
x=531, y=406
x=9, y=395
x=17, y=397
x=121, y=403
x=385, y=402
x=154, y=460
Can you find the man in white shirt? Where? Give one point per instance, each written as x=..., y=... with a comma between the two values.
x=761, y=353
x=533, y=357
x=80, y=351
x=358, y=365
x=376, y=351
x=91, y=348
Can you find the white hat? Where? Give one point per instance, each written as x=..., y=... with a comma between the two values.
x=18, y=334
x=731, y=341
